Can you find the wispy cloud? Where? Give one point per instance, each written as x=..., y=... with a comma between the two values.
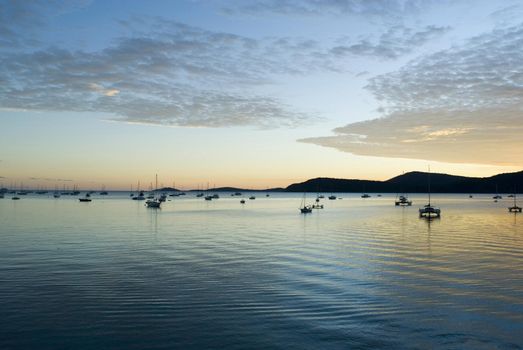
x=49, y=179
x=181, y=75
x=386, y=9
x=459, y=105
x=21, y=21
x=397, y=41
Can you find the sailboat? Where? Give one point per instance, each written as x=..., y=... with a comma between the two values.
x=428, y=211
x=140, y=196
x=497, y=196
x=403, y=201
x=155, y=202
x=514, y=208
x=208, y=197
x=305, y=208
x=87, y=198
x=103, y=192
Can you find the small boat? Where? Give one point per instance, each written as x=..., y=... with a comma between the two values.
x=514, y=208
x=103, y=192
x=56, y=195
x=1, y=195
x=153, y=203
x=237, y=193
x=215, y=196
x=208, y=198
x=199, y=195
x=267, y=195
x=497, y=196
x=332, y=197
x=403, y=201
x=85, y=199
x=305, y=208
x=470, y=196
x=15, y=198
x=139, y=197
x=428, y=211
x=365, y=195
x=321, y=196
x=242, y=201
x=252, y=197
x=163, y=198
x=317, y=206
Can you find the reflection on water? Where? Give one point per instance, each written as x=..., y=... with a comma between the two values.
x=196, y=274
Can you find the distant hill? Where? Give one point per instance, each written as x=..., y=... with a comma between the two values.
x=222, y=189
x=415, y=182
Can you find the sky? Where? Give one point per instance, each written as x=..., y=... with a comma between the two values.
x=257, y=94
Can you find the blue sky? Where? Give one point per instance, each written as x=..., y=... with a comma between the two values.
x=257, y=93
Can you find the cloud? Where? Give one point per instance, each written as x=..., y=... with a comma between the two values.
x=398, y=40
x=180, y=75
x=385, y=9
x=21, y=21
x=459, y=105
x=49, y=179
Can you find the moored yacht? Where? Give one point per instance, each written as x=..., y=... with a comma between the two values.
x=428, y=211
x=514, y=208
x=403, y=201
x=305, y=208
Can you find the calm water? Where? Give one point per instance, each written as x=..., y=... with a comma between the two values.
x=359, y=274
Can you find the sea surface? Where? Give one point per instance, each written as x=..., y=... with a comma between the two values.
x=358, y=274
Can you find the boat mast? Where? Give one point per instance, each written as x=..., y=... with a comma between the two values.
x=429, y=185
